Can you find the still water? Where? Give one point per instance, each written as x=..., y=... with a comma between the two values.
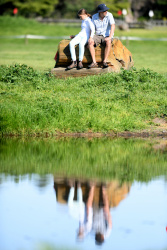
x=50, y=190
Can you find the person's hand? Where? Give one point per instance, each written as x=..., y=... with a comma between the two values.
x=72, y=37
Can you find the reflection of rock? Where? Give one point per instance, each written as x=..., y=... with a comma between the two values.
x=161, y=145
x=116, y=192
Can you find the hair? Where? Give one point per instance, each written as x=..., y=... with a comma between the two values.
x=84, y=12
x=99, y=238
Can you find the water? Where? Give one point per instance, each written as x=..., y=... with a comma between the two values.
x=35, y=179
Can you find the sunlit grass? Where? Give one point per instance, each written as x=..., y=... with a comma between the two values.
x=33, y=102
x=40, y=53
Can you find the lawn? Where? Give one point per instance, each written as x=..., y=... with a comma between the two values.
x=34, y=102
x=40, y=53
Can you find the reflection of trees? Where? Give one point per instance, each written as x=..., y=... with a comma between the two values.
x=41, y=180
x=116, y=192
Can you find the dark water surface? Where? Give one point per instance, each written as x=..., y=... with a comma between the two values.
x=128, y=179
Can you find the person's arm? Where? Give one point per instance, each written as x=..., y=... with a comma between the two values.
x=111, y=32
x=112, y=23
x=92, y=28
x=109, y=224
x=92, y=32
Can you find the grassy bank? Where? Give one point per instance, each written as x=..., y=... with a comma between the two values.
x=33, y=102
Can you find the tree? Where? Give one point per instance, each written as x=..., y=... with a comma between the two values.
x=116, y=5
x=29, y=7
x=69, y=8
x=160, y=9
x=141, y=8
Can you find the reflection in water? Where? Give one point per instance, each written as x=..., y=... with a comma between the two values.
x=89, y=202
x=28, y=216
x=125, y=160
x=83, y=210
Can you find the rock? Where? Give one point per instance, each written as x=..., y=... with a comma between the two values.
x=123, y=26
x=119, y=57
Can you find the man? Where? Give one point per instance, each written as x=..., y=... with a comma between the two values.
x=97, y=218
x=104, y=27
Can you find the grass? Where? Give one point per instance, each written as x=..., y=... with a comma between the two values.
x=40, y=53
x=37, y=54
x=33, y=102
x=21, y=26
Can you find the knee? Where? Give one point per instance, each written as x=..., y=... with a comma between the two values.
x=90, y=44
x=82, y=44
x=108, y=43
x=71, y=44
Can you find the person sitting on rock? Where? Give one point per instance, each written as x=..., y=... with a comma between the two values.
x=104, y=32
x=87, y=31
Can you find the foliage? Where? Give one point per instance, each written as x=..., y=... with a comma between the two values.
x=115, y=5
x=160, y=9
x=29, y=8
x=69, y=8
x=34, y=102
x=107, y=159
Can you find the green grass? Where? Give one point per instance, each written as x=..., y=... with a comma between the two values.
x=33, y=102
x=40, y=53
x=21, y=26
x=149, y=54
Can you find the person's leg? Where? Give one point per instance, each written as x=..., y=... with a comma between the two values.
x=91, y=46
x=71, y=196
x=82, y=48
x=72, y=44
x=76, y=40
x=107, y=50
x=90, y=196
x=92, y=51
x=106, y=207
x=79, y=194
x=105, y=198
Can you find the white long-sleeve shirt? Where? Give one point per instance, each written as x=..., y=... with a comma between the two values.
x=87, y=28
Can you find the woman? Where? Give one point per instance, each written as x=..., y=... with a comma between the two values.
x=87, y=31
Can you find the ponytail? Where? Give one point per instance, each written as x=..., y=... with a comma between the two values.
x=84, y=12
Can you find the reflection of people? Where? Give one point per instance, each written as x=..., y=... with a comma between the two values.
x=97, y=219
x=87, y=31
x=104, y=27
x=76, y=207
x=90, y=207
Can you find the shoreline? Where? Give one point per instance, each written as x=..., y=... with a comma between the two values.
x=149, y=133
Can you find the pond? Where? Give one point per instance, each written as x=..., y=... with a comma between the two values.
x=76, y=193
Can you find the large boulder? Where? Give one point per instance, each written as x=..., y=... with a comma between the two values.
x=119, y=57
